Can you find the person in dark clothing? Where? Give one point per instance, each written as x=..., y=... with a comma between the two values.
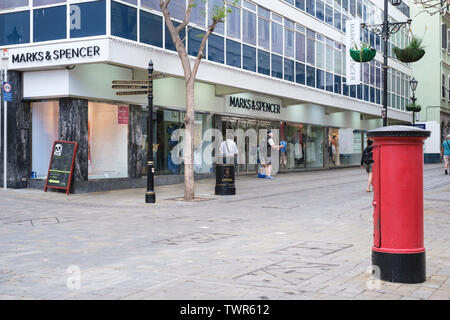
x=366, y=163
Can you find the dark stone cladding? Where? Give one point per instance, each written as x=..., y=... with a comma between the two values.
x=135, y=150
x=19, y=136
x=73, y=126
x=118, y=184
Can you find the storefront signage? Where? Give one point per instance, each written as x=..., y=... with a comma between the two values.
x=122, y=115
x=69, y=53
x=7, y=91
x=251, y=104
x=61, y=165
x=59, y=54
x=353, y=71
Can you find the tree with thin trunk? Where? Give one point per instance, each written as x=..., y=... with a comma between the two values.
x=190, y=70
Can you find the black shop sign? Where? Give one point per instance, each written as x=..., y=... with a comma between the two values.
x=60, y=170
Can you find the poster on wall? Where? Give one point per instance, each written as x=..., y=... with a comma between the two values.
x=353, y=68
x=60, y=170
x=122, y=114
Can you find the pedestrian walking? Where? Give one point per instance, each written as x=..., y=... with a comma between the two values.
x=266, y=153
x=366, y=163
x=446, y=153
x=283, y=159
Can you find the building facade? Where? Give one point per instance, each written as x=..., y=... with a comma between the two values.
x=289, y=57
x=433, y=74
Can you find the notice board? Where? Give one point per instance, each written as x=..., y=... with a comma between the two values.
x=60, y=170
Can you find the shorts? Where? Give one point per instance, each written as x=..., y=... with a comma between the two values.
x=368, y=167
x=447, y=160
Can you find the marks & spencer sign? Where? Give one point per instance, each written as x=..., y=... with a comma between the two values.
x=252, y=103
x=59, y=54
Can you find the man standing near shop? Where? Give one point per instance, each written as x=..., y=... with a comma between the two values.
x=446, y=153
x=270, y=144
x=228, y=148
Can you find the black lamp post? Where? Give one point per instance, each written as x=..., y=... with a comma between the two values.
x=413, y=84
x=385, y=30
x=150, y=193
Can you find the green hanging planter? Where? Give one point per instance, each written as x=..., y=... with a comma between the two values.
x=412, y=53
x=366, y=54
x=413, y=107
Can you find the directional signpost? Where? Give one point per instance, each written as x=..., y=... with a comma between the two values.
x=140, y=87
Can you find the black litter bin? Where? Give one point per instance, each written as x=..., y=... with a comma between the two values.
x=225, y=170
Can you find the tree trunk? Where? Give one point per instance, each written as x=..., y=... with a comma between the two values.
x=189, y=192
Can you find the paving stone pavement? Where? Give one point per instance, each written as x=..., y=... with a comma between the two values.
x=304, y=235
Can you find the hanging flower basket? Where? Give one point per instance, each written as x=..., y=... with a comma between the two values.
x=365, y=54
x=413, y=107
x=412, y=53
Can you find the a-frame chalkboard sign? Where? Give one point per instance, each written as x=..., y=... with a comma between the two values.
x=60, y=170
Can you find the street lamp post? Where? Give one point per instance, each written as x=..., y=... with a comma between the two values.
x=413, y=84
x=5, y=58
x=385, y=30
x=150, y=196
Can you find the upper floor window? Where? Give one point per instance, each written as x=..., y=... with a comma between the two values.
x=443, y=86
x=11, y=4
x=15, y=28
x=88, y=19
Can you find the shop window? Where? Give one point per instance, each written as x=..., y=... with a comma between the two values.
x=15, y=28
x=11, y=4
x=311, y=76
x=295, y=149
x=123, y=21
x=195, y=39
x=49, y=24
x=202, y=155
x=233, y=53
x=249, y=27
x=277, y=66
x=169, y=42
x=264, y=62
x=37, y=3
x=288, y=70
x=300, y=4
x=346, y=146
x=45, y=121
x=108, y=141
x=313, y=137
x=300, y=73
x=151, y=29
x=249, y=58
x=88, y=19
x=216, y=48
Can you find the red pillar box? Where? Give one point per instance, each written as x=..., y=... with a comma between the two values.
x=398, y=248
